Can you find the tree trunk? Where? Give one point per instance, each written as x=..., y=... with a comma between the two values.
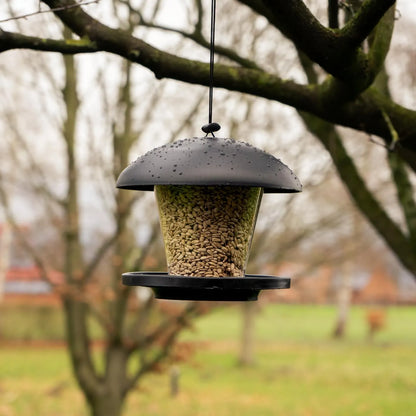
x=345, y=290
x=107, y=399
x=106, y=405
x=247, y=337
x=344, y=301
x=5, y=242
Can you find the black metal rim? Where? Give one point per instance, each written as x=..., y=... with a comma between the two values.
x=166, y=286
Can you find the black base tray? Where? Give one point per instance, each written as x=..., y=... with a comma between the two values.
x=166, y=286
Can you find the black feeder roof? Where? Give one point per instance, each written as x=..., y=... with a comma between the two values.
x=209, y=161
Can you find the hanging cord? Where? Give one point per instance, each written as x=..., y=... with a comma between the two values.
x=211, y=58
x=211, y=127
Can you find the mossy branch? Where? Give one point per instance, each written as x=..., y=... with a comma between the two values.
x=405, y=194
x=380, y=41
x=11, y=40
x=362, y=196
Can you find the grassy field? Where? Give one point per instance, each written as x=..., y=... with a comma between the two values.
x=300, y=370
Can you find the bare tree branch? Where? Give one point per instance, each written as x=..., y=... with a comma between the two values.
x=11, y=40
x=363, y=114
x=363, y=197
x=176, y=324
x=405, y=194
x=195, y=36
x=56, y=9
x=365, y=20
x=23, y=241
x=37, y=180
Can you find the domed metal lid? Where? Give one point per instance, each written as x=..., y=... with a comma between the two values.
x=209, y=161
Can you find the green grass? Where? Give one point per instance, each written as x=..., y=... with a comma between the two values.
x=36, y=323
x=27, y=323
x=305, y=323
x=299, y=380
x=299, y=371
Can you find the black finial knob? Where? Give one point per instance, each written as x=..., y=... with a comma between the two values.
x=210, y=128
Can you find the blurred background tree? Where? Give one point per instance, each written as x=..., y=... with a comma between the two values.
x=138, y=333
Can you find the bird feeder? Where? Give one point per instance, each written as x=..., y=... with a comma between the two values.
x=208, y=191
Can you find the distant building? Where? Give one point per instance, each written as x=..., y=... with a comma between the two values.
x=380, y=289
x=26, y=284
x=322, y=284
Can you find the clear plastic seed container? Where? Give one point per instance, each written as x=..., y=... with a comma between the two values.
x=207, y=230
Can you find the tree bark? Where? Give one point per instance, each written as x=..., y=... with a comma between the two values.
x=247, y=334
x=75, y=308
x=343, y=301
x=106, y=404
x=5, y=242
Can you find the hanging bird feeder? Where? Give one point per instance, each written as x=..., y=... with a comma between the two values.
x=208, y=191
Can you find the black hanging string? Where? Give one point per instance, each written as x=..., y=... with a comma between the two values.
x=211, y=58
x=211, y=127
